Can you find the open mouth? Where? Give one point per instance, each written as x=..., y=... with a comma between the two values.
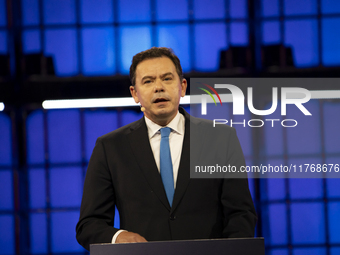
x=160, y=100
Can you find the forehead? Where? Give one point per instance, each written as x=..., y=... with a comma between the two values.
x=154, y=67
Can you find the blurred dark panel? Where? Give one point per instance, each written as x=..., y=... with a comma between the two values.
x=38, y=64
x=5, y=65
x=277, y=55
x=236, y=57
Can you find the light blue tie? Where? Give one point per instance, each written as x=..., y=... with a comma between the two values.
x=166, y=164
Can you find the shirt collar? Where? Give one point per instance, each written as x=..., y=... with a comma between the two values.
x=177, y=125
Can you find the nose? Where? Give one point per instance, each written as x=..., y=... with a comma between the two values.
x=159, y=86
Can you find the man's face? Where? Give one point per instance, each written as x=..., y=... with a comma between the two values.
x=158, y=89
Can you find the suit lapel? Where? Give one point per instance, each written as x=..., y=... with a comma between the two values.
x=183, y=178
x=140, y=144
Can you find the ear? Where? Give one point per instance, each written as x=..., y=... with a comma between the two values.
x=184, y=85
x=133, y=92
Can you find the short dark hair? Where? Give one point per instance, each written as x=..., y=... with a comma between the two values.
x=154, y=52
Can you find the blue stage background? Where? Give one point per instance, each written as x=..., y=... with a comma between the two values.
x=98, y=38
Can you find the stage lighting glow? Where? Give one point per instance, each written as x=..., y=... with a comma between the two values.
x=2, y=106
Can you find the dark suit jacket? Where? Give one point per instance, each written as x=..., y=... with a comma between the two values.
x=122, y=172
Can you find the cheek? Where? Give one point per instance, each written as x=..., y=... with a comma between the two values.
x=143, y=98
x=180, y=93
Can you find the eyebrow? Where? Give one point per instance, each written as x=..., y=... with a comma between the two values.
x=152, y=77
x=166, y=74
x=148, y=77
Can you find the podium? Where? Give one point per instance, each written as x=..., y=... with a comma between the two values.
x=232, y=246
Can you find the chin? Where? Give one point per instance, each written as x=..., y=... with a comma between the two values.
x=163, y=113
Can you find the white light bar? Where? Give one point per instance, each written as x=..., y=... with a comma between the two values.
x=2, y=106
x=325, y=94
x=197, y=99
x=128, y=101
x=89, y=103
x=96, y=102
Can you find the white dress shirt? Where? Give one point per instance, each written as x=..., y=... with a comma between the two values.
x=176, y=137
x=175, y=141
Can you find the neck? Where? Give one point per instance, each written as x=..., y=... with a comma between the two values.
x=162, y=121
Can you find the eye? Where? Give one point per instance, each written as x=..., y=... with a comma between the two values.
x=147, y=81
x=169, y=78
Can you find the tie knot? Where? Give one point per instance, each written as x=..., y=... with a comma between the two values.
x=165, y=132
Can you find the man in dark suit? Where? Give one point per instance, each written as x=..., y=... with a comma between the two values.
x=126, y=170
